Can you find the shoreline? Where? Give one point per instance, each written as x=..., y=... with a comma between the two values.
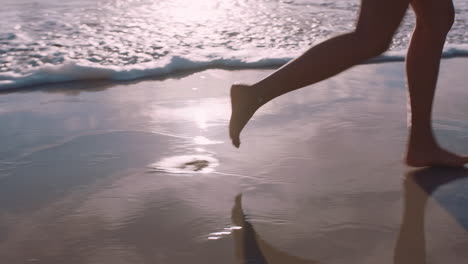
x=86, y=173
x=72, y=74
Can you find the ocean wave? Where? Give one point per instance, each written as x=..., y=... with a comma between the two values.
x=84, y=70
x=81, y=71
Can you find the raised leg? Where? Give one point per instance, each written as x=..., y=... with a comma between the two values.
x=378, y=21
x=434, y=20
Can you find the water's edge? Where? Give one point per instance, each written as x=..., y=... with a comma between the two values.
x=75, y=72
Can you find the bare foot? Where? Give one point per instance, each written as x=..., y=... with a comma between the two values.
x=434, y=156
x=244, y=103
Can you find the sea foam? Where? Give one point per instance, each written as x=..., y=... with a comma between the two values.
x=85, y=70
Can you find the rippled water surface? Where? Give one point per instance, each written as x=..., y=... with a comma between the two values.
x=145, y=173
x=146, y=34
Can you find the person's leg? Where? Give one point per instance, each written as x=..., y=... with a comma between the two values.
x=376, y=25
x=434, y=19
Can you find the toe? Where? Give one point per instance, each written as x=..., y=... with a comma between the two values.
x=236, y=142
x=463, y=160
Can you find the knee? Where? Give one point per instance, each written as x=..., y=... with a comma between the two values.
x=379, y=45
x=438, y=23
x=373, y=43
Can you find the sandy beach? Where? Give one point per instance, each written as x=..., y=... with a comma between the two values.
x=144, y=172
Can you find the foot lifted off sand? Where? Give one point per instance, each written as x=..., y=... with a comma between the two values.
x=244, y=103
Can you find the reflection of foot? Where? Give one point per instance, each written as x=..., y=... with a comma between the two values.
x=429, y=179
x=244, y=103
x=237, y=214
x=433, y=156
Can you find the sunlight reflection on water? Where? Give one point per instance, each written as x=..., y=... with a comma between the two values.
x=187, y=164
x=119, y=33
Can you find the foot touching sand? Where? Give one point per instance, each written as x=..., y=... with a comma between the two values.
x=433, y=156
x=244, y=103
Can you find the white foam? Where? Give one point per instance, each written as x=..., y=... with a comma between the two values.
x=77, y=71
x=84, y=70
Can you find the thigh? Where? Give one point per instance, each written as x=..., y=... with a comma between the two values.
x=381, y=18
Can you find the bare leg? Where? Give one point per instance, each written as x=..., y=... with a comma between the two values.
x=434, y=19
x=377, y=23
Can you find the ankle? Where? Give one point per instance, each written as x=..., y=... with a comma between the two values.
x=421, y=135
x=422, y=144
x=258, y=95
x=420, y=147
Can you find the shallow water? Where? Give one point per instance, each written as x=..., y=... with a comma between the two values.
x=56, y=41
x=318, y=177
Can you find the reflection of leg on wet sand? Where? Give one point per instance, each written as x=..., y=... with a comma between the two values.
x=418, y=187
x=410, y=247
x=250, y=248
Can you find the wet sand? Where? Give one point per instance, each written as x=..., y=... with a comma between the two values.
x=145, y=173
